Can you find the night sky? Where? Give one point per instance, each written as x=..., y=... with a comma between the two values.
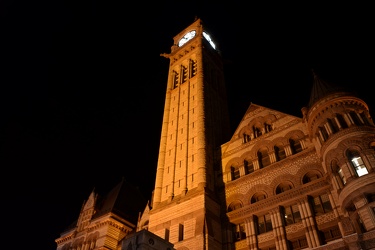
x=82, y=89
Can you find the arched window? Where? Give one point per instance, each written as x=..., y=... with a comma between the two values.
x=364, y=118
x=235, y=172
x=245, y=138
x=355, y=118
x=282, y=187
x=257, y=197
x=267, y=127
x=295, y=146
x=257, y=131
x=341, y=175
x=323, y=133
x=263, y=157
x=235, y=205
x=341, y=121
x=333, y=125
x=279, y=152
x=311, y=176
x=249, y=167
x=357, y=163
x=338, y=173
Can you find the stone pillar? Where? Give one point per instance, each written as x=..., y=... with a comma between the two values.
x=308, y=221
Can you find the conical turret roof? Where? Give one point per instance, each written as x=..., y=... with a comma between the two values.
x=322, y=88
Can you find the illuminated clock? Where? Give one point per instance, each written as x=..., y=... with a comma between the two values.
x=208, y=38
x=188, y=36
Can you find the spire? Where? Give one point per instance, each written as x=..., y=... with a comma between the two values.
x=321, y=89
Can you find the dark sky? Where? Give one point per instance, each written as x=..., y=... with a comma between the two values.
x=82, y=89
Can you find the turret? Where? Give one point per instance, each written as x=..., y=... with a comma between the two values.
x=342, y=130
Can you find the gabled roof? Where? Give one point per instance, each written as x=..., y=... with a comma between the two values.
x=253, y=111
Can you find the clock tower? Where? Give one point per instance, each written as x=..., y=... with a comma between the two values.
x=187, y=201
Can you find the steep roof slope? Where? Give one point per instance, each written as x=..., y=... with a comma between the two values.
x=322, y=88
x=124, y=200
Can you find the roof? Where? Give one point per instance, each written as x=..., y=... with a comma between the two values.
x=322, y=88
x=125, y=200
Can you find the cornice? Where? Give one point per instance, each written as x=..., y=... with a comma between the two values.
x=277, y=200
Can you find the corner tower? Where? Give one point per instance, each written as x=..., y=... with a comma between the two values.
x=186, y=206
x=343, y=132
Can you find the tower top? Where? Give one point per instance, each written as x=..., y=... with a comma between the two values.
x=193, y=31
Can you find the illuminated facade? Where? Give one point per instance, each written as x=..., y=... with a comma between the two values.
x=282, y=182
x=279, y=182
x=186, y=206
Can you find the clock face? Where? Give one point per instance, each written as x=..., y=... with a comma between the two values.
x=208, y=38
x=186, y=38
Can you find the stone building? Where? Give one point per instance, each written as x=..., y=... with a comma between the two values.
x=104, y=220
x=279, y=182
x=294, y=183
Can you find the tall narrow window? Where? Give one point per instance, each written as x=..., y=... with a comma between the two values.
x=279, y=152
x=180, y=232
x=194, y=69
x=354, y=116
x=246, y=138
x=291, y=215
x=264, y=224
x=257, y=132
x=249, y=167
x=342, y=176
x=267, y=127
x=323, y=133
x=321, y=204
x=342, y=121
x=166, y=234
x=295, y=146
x=240, y=232
x=175, y=79
x=264, y=158
x=235, y=172
x=364, y=118
x=333, y=125
x=184, y=71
